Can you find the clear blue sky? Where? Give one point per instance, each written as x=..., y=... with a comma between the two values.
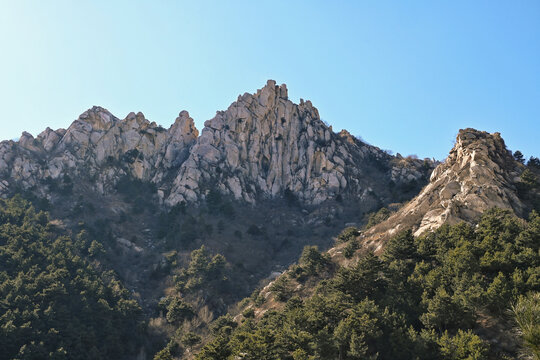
x=403, y=75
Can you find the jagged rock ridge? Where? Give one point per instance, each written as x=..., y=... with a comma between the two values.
x=479, y=174
x=262, y=146
x=99, y=146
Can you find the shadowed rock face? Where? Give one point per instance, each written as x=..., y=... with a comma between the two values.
x=261, y=147
x=479, y=174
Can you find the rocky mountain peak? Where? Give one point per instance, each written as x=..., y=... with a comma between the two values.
x=183, y=125
x=264, y=145
x=479, y=174
x=98, y=118
x=100, y=145
x=344, y=134
x=26, y=140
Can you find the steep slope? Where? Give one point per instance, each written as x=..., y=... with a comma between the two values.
x=479, y=174
x=441, y=296
x=265, y=178
x=453, y=279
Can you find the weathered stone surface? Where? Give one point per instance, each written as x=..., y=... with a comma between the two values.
x=262, y=146
x=478, y=174
x=98, y=144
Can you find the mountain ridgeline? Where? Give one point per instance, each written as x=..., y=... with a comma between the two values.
x=261, y=147
x=339, y=249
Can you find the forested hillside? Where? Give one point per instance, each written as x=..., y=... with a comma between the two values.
x=54, y=304
x=445, y=295
x=153, y=236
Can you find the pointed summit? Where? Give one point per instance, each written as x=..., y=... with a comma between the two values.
x=479, y=174
x=264, y=146
x=99, y=118
x=184, y=125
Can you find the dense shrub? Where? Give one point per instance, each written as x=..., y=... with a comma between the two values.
x=350, y=233
x=378, y=217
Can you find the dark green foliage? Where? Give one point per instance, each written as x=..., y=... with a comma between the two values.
x=419, y=300
x=95, y=249
x=53, y=304
x=529, y=187
x=177, y=310
x=348, y=234
x=313, y=261
x=365, y=279
x=281, y=288
x=518, y=156
x=249, y=313
x=528, y=179
x=190, y=339
x=527, y=316
x=350, y=249
x=534, y=162
x=224, y=325
x=462, y=346
x=164, y=354
x=203, y=272
x=378, y=217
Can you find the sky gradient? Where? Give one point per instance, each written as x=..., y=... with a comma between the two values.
x=404, y=76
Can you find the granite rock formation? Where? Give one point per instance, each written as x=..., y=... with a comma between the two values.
x=479, y=174
x=97, y=146
x=262, y=147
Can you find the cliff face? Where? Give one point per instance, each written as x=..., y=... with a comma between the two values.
x=479, y=174
x=264, y=144
x=98, y=146
x=261, y=147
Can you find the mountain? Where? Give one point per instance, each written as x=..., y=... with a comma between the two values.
x=478, y=174
x=446, y=242
x=100, y=146
x=190, y=223
x=262, y=146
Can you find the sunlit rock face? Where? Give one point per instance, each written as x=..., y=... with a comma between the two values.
x=263, y=146
x=479, y=174
x=100, y=146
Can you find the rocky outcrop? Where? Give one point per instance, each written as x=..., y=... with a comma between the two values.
x=479, y=174
x=263, y=146
x=98, y=146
